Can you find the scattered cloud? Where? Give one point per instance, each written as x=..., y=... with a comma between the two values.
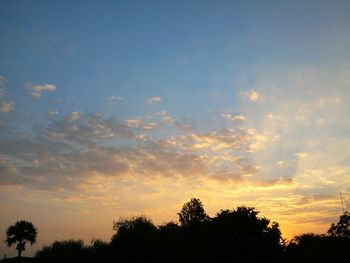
x=281, y=164
x=234, y=117
x=6, y=107
x=75, y=115
x=301, y=154
x=154, y=100
x=36, y=90
x=136, y=122
x=165, y=117
x=252, y=95
x=273, y=116
x=84, y=146
x=52, y=113
x=115, y=98
x=140, y=123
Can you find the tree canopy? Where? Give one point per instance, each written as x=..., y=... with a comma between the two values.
x=192, y=212
x=19, y=233
x=342, y=228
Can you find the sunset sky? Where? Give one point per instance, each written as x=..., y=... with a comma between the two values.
x=112, y=109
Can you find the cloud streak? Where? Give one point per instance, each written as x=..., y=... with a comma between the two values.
x=37, y=90
x=154, y=100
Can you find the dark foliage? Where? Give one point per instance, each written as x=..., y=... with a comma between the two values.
x=74, y=251
x=318, y=248
x=331, y=247
x=134, y=239
x=250, y=237
x=342, y=228
x=19, y=233
x=19, y=260
x=237, y=235
x=192, y=213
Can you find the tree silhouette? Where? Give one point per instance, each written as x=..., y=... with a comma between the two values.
x=342, y=228
x=19, y=233
x=134, y=239
x=192, y=212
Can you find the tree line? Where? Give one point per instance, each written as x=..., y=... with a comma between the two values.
x=237, y=235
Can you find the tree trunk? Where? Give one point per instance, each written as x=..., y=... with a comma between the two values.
x=20, y=247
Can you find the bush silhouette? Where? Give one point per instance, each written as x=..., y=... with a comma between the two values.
x=63, y=251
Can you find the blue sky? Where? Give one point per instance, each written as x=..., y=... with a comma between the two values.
x=119, y=108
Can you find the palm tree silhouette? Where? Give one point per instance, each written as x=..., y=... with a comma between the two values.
x=19, y=233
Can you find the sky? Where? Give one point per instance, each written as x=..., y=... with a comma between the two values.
x=113, y=109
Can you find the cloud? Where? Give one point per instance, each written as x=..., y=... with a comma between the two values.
x=67, y=152
x=281, y=163
x=6, y=107
x=165, y=117
x=115, y=98
x=52, y=113
x=252, y=95
x=140, y=123
x=303, y=121
x=136, y=122
x=38, y=89
x=154, y=100
x=75, y=115
x=301, y=154
x=234, y=117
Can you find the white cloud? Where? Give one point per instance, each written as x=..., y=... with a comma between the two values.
x=301, y=154
x=52, y=113
x=273, y=116
x=5, y=104
x=165, y=117
x=281, y=164
x=134, y=122
x=252, y=95
x=139, y=123
x=38, y=89
x=234, y=117
x=6, y=107
x=75, y=115
x=115, y=98
x=154, y=100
